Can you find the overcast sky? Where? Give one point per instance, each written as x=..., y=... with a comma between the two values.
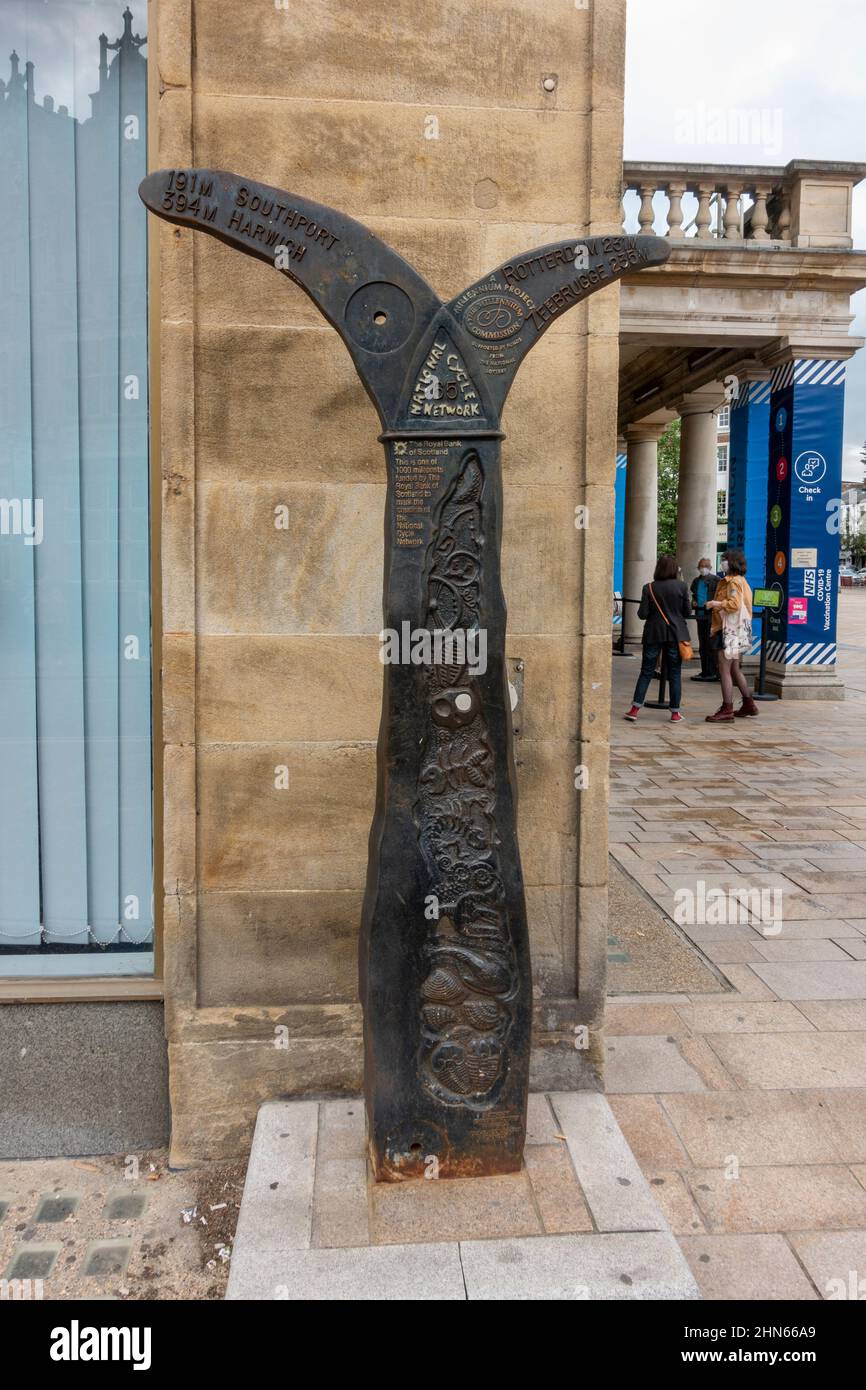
x=799, y=65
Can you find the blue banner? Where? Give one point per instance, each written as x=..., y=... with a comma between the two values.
x=619, y=523
x=747, y=483
x=804, y=509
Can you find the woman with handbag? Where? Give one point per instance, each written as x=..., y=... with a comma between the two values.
x=664, y=606
x=731, y=636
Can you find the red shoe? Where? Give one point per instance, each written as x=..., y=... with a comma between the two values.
x=723, y=715
x=632, y=713
x=677, y=718
x=747, y=707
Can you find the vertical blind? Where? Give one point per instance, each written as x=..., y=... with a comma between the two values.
x=75, y=698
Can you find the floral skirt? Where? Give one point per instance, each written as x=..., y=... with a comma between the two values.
x=734, y=638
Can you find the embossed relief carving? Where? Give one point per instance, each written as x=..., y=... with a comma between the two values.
x=465, y=998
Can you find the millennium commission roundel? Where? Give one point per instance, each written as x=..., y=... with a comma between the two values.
x=495, y=316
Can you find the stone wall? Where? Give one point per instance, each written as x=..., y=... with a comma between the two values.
x=270, y=647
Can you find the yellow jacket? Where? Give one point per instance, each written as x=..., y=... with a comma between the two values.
x=732, y=592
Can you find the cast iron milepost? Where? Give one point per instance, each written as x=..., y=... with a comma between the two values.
x=444, y=955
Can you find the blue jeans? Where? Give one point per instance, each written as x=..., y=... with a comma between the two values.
x=647, y=671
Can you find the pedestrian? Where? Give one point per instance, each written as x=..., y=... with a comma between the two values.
x=703, y=587
x=665, y=608
x=731, y=636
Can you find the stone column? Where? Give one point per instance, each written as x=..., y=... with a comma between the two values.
x=262, y=901
x=641, y=517
x=696, y=508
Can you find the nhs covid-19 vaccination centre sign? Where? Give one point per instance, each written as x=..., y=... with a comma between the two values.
x=804, y=510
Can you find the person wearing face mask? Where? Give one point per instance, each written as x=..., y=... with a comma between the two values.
x=731, y=636
x=703, y=588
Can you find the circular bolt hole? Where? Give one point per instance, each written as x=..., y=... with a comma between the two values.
x=415, y=1148
x=442, y=708
x=380, y=317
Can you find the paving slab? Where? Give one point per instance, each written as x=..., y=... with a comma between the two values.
x=818, y=980
x=832, y=882
x=790, y=950
x=735, y=1016
x=541, y=1123
x=648, y=1132
x=835, y=1261
x=834, y=1015
x=342, y=1129
x=340, y=1208
x=759, y=1128
x=650, y=999
x=779, y=1199
x=697, y=1052
x=733, y=952
x=615, y=1189
x=798, y=907
x=452, y=1209
x=557, y=1193
x=648, y=1064
x=677, y=1204
x=825, y=928
x=705, y=933
x=750, y=1267
x=772, y=1061
x=649, y=1265
x=859, y=1171
x=847, y=1113
x=387, y=1273
x=633, y=1019
x=277, y=1206
x=743, y=979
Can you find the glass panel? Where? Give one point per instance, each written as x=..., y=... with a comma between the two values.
x=76, y=863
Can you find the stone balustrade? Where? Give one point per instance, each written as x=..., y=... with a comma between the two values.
x=802, y=204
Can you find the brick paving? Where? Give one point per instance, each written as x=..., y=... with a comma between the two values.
x=747, y=1109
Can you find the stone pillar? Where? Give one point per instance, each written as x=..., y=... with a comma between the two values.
x=273, y=498
x=696, y=507
x=641, y=517
x=804, y=500
x=747, y=476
